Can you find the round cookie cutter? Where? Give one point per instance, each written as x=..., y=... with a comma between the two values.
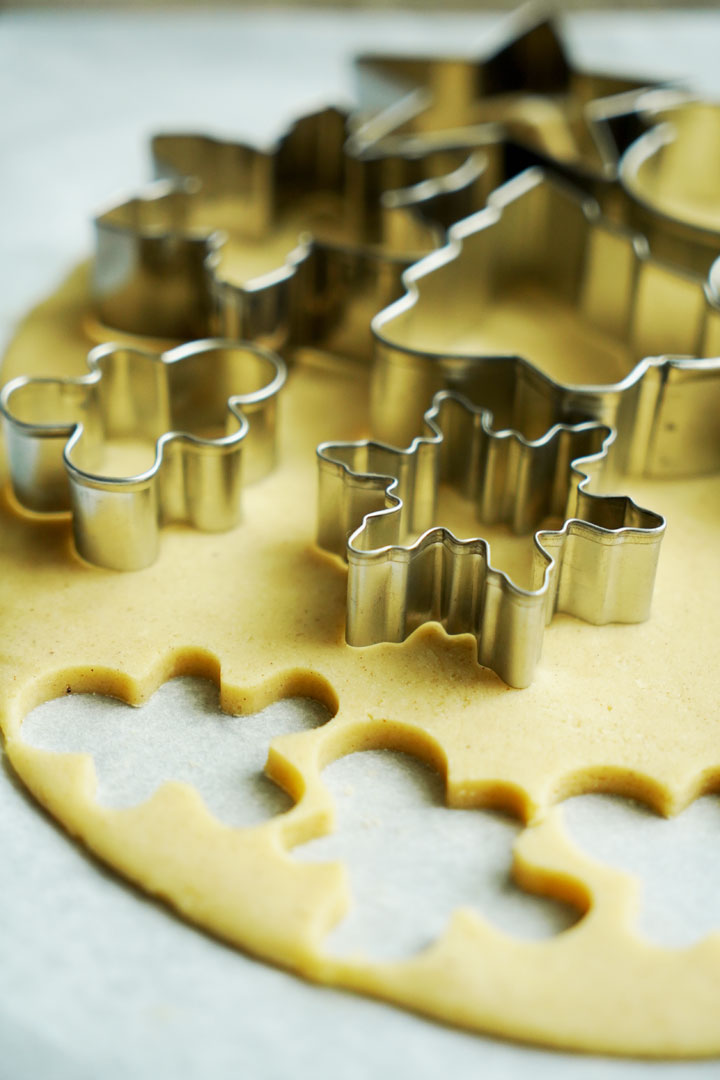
x=669, y=175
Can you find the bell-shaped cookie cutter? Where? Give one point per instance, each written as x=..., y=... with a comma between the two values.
x=378, y=510
x=537, y=229
x=201, y=419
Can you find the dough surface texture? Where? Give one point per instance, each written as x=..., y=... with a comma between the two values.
x=625, y=709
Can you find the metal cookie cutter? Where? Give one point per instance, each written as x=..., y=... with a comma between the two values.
x=670, y=176
x=158, y=264
x=142, y=440
x=378, y=505
x=297, y=243
x=540, y=246
x=547, y=111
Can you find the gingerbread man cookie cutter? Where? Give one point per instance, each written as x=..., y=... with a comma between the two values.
x=190, y=426
x=378, y=510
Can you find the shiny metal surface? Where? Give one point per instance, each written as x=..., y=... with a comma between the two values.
x=670, y=175
x=570, y=281
x=378, y=509
x=302, y=242
x=526, y=97
x=299, y=243
x=142, y=440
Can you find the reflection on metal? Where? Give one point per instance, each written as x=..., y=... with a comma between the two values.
x=526, y=96
x=671, y=177
x=143, y=440
x=541, y=273
x=378, y=509
x=299, y=243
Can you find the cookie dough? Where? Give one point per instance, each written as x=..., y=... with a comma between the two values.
x=626, y=709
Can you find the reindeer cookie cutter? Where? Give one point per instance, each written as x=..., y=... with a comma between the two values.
x=672, y=201
x=296, y=243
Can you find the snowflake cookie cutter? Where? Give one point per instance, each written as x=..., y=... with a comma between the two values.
x=377, y=508
x=539, y=233
x=191, y=425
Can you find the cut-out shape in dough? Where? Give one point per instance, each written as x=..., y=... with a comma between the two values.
x=413, y=861
x=261, y=612
x=179, y=734
x=680, y=890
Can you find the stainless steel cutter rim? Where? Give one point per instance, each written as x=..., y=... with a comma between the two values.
x=471, y=169
x=122, y=223
x=286, y=270
x=192, y=348
x=76, y=430
x=393, y=588
x=41, y=430
x=152, y=191
x=306, y=243
x=441, y=534
x=488, y=216
x=640, y=151
x=473, y=137
x=216, y=238
x=640, y=98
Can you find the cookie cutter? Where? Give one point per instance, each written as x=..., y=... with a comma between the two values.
x=672, y=200
x=525, y=101
x=188, y=426
x=163, y=264
x=378, y=510
x=538, y=232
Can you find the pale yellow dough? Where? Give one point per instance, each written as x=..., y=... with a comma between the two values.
x=631, y=709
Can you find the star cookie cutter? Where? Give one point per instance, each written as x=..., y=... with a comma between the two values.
x=526, y=97
x=538, y=233
x=186, y=424
x=378, y=510
x=672, y=201
x=299, y=243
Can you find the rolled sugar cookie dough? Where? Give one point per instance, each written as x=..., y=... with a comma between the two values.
x=625, y=709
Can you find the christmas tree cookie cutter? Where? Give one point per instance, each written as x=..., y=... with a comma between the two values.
x=378, y=507
x=205, y=414
x=539, y=232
